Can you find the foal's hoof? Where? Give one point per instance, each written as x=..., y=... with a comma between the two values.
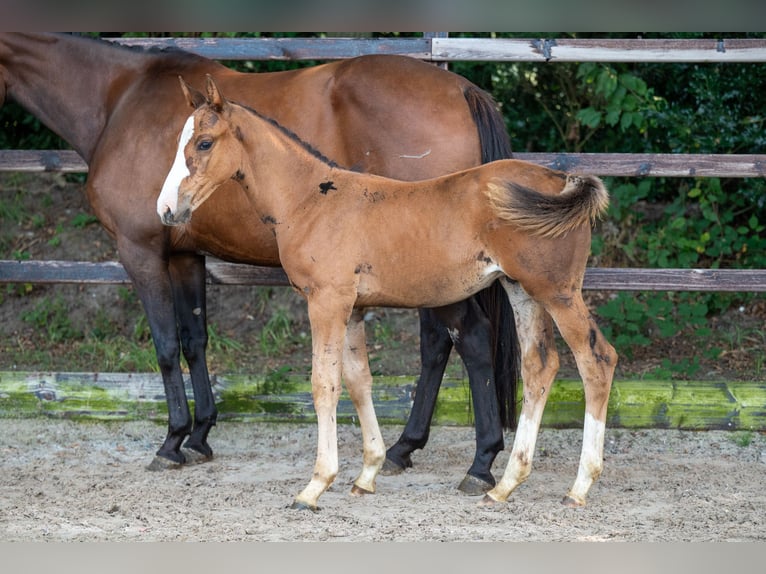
x=572, y=502
x=473, y=486
x=359, y=491
x=298, y=505
x=196, y=457
x=390, y=468
x=162, y=463
x=488, y=502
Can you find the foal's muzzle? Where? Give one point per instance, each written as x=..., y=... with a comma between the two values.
x=170, y=218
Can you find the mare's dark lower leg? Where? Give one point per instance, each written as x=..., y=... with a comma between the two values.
x=471, y=335
x=150, y=277
x=467, y=325
x=435, y=347
x=187, y=273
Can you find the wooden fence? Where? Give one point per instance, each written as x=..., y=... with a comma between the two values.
x=722, y=407
x=438, y=47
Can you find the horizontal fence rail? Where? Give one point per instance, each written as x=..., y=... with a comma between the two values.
x=603, y=164
x=445, y=49
x=222, y=273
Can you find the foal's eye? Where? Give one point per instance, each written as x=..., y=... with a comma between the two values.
x=204, y=145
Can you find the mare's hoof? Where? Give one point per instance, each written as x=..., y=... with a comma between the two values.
x=196, y=457
x=297, y=505
x=390, y=468
x=359, y=491
x=473, y=486
x=162, y=463
x=572, y=502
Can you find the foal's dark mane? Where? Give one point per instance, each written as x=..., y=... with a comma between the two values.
x=290, y=134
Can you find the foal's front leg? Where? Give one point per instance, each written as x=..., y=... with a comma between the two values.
x=328, y=329
x=358, y=379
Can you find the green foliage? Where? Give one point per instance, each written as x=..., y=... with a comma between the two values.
x=52, y=317
x=277, y=332
x=83, y=219
x=220, y=342
x=21, y=130
x=117, y=354
x=742, y=438
x=618, y=99
x=704, y=226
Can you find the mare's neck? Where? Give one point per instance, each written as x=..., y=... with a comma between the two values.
x=67, y=82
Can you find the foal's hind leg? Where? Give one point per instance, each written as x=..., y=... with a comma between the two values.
x=596, y=361
x=358, y=379
x=187, y=273
x=539, y=365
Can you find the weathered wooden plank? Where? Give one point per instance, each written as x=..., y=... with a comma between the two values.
x=108, y=272
x=652, y=164
x=222, y=273
x=632, y=404
x=66, y=161
x=604, y=164
x=744, y=280
x=446, y=49
x=598, y=50
x=287, y=48
x=219, y=272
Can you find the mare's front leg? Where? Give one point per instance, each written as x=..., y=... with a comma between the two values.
x=187, y=272
x=358, y=379
x=329, y=316
x=539, y=365
x=149, y=273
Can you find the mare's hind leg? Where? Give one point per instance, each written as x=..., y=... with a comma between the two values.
x=358, y=379
x=470, y=331
x=187, y=273
x=596, y=361
x=539, y=365
x=435, y=347
x=465, y=325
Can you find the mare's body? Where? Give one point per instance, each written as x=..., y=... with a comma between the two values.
x=121, y=110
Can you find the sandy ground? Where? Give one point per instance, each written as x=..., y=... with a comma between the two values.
x=67, y=481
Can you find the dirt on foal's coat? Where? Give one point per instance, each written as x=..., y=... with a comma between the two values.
x=522, y=223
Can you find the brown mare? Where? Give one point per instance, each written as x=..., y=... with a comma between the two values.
x=349, y=240
x=121, y=110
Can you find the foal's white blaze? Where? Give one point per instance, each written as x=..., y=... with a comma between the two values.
x=168, y=199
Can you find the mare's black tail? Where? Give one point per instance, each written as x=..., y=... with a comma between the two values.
x=495, y=144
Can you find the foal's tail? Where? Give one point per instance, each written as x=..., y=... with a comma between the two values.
x=583, y=200
x=495, y=144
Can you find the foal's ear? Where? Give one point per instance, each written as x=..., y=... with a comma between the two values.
x=194, y=98
x=214, y=97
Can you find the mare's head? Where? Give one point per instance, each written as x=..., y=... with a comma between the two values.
x=209, y=154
